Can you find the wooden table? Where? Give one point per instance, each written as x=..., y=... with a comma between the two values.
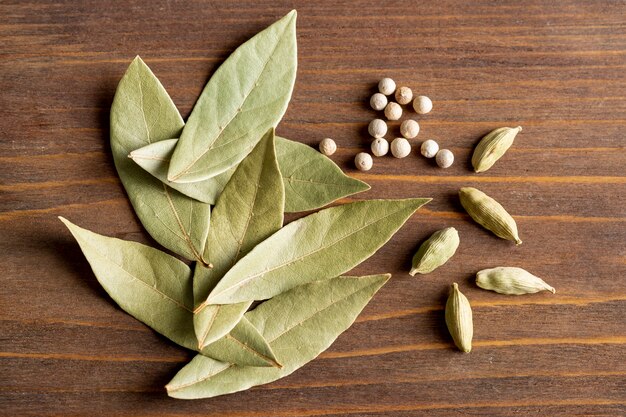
x=556, y=68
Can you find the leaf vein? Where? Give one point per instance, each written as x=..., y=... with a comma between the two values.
x=186, y=235
x=241, y=283
x=208, y=328
x=147, y=285
x=143, y=112
x=251, y=350
x=315, y=313
x=245, y=98
x=197, y=381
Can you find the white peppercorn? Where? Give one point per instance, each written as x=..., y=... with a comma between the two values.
x=378, y=101
x=444, y=158
x=404, y=95
x=363, y=161
x=429, y=148
x=387, y=86
x=422, y=105
x=328, y=146
x=380, y=147
x=409, y=129
x=400, y=147
x=393, y=111
x=377, y=128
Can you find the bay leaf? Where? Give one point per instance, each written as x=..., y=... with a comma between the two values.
x=298, y=324
x=155, y=159
x=148, y=284
x=247, y=95
x=248, y=211
x=156, y=289
x=244, y=346
x=319, y=246
x=311, y=179
x=212, y=322
x=143, y=113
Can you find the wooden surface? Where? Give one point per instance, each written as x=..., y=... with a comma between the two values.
x=556, y=68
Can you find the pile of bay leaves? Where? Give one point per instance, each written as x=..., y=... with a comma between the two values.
x=214, y=192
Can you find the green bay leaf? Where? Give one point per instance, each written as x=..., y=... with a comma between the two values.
x=247, y=95
x=244, y=346
x=249, y=210
x=311, y=179
x=298, y=324
x=148, y=284
x=143, y=113
x=319, y=246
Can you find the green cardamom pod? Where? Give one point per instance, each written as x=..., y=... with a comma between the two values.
x=493, y=146
x=489, y=213
x=459, y=319
x=435, y=251
x=511, y=281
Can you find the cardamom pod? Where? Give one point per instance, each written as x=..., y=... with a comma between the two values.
x=459, y=319
x=511, y=281
x=489, y=213
x=435, y=251
x=492, y=147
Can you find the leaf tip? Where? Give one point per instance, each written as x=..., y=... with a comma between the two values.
x=360, y=186
x=417, y=203
x=169, y=388
x=66, y=222
x=172, y=177
x=274, y=363
x=75, y=230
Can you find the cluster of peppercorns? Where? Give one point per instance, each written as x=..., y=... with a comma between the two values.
x=409, y=129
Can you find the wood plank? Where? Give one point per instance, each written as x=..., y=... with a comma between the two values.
x=555, y=68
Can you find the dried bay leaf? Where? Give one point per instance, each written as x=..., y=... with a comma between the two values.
x=244, y=346
x=318, y=313
x=247, y=95
x=212, y=322
x=156, y=289
x=249, y=210
x=311, y=179
x=143, y=113
x=319, y=246
x=148, y=284
x=155, y=158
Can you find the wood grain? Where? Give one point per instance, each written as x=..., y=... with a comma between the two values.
x=556, y=68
